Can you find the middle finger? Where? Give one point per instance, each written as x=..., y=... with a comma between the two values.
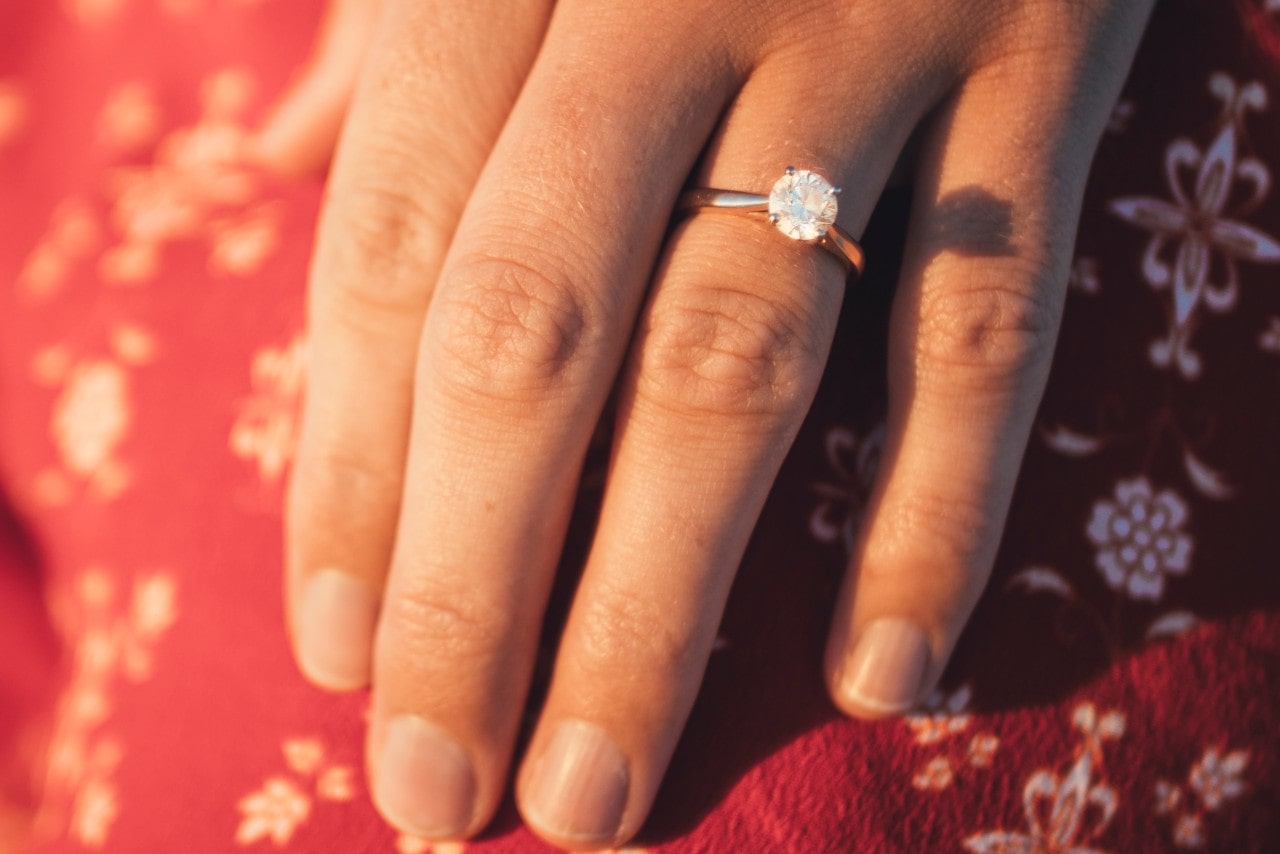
x=521, y=345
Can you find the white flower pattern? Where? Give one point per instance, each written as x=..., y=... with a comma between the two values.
x=1188, y=832
x=283, y=803
x=91, y=418
x=935, y=775
x=266, y=429
x=944, y=716
x=1057, y=809
x=1214, y=780
x=1139, y=538
x=274, y=812
x=113, y=637
x=1200, y=225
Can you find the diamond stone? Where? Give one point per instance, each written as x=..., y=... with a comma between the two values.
x=802, y=204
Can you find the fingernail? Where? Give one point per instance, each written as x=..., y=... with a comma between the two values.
x=885, y=671
x=337, y=614
x=424, y=784
x=579, y=789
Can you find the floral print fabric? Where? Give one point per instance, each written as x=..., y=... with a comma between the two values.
x=1118, y=688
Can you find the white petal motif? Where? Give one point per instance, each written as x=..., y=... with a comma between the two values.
x=1114, y=573
x=1146, y=585
x=1173, y=506
x=336, y=784
x=1111, y=725
x=276, y=811
x=1099, y=528
x=1245, y=242
x=1178, y=561
x=1235, y=762
x=1001, y=842
x=1172, y=624
x=303, y=755
x=1155, y=269
x=1069, y=442
x=1190, y=272
x=1129, y=490
x=1207, y=480
x=1155, y=215
x=1189, y=832
x=1213, y=184
x=1039, y=579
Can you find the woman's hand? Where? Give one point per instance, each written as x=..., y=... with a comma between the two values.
x=491, y=263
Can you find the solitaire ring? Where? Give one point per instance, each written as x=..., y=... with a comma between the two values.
x=802, y=205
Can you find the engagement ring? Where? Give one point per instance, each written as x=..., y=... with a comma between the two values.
x=802, y=205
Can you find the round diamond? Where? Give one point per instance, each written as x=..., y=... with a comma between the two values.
x=802, y=205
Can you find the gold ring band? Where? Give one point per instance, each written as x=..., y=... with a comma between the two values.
x=802, y=205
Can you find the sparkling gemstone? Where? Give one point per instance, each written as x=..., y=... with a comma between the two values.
x=802, y=205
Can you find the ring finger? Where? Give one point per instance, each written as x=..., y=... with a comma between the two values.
x=727, y=358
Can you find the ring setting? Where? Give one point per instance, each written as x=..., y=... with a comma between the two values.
x=802, y=205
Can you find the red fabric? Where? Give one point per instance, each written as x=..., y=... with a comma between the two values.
x=150, y=362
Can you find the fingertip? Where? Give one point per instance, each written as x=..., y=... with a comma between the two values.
x=576, y=790
x=336, y=618
x=423, y=782
x=883, y=672
x=299, y=138
x=301, y=131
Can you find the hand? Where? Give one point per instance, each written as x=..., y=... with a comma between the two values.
x=491, y=262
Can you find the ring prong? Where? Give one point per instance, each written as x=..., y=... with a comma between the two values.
x=835, y=191
x=773, y=218
x=791, y=170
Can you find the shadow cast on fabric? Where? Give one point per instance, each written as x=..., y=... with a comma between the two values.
x=29, y=672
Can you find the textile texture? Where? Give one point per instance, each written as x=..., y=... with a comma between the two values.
x=1118, y=688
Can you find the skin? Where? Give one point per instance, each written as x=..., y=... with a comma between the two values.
x=491, y=264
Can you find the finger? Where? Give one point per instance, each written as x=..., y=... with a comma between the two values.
x=300, y=133
x=971, y=338
x=434, y=98
x=521, y=346
x=727, y=358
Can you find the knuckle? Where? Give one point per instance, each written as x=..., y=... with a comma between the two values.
x=948, y=536
x=1064, y=43
x=508, y=329
x=723, y=351
x=1071, y=18
x=381, y=245
x=995, y=332
x=445, y=624
x=953, y=522
x=332, y=477
x=621, y=633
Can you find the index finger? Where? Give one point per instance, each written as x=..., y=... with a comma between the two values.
x=434, y=97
